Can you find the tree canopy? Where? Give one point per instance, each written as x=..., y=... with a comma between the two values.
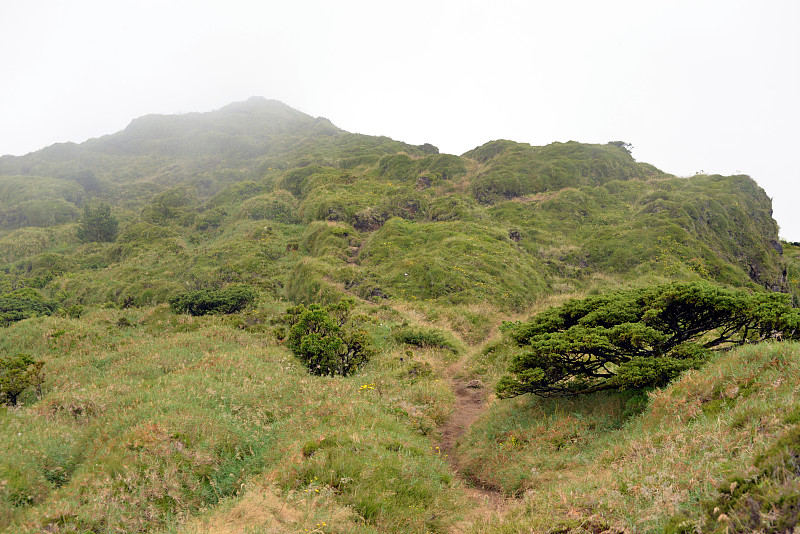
x=328, y=340
x=97, y=224
x=17, y=374
x=638, y=338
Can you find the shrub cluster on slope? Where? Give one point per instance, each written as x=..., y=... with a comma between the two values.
x=138, y=428
x=211, y=301
x=505, y=223
x=516, y=169
x=628, y=462
x=261, y=196
x=22, y=304
x=97, y=224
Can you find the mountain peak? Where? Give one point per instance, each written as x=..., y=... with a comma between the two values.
x=259, y=104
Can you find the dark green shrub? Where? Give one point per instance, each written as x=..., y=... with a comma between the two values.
x=97, y=224
x=17, y=374
x=22, y=304
x=326, y=340
x=75, y=311
x=213, y=301
x=638, y=338
x=643, y=371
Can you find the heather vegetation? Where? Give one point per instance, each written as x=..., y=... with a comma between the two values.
x=250, y=320
x=204, y=301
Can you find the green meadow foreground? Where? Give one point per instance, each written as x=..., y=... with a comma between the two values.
x=175, y=334
x=152, y=422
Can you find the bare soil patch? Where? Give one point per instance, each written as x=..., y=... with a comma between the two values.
x=471, y=399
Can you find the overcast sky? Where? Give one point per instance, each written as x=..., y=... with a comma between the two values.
x=696, y=85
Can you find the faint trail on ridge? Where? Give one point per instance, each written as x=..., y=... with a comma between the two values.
x=471, y=398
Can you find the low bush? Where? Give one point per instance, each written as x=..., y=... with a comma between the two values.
x=326, y=340
x=22, y=304
x=213, y=301
x=426, y=338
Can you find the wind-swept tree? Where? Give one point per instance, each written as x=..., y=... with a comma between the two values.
x=638, y=338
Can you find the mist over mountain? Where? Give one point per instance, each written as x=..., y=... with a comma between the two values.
x=560, y=215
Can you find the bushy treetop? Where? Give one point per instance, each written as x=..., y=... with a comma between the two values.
x=638, y=338
x=18, y=373
x=327, y=340
x=97, y=224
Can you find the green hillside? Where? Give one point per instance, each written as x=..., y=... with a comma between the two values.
x=140, y=417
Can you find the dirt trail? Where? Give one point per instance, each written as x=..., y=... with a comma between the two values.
x=471, y=398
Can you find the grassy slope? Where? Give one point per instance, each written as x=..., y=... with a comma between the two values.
x=141, y=426
x=230, y=196
x=589, y=462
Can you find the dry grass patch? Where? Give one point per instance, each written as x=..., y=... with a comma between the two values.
x=262, y=509
x=573, y=466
